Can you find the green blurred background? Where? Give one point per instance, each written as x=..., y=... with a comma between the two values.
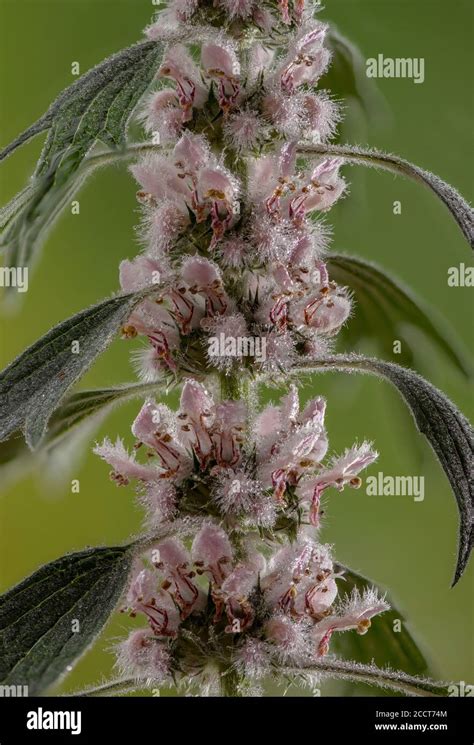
x=405, y=546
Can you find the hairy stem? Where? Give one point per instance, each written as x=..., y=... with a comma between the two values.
x=105, y=157
x=184, y=526
x=234, y=387
x=358, y=673
x=111, y=688
x=456, y=204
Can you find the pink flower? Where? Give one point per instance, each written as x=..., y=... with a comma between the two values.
x=321, y=116
x=268, y=170
x=289, y=442
x=125, y=466
x=162, y=114
x=229, y=423
x=193, y=181
x=238, y=8
x=286, y=635
x=143, y=656
x=260, y=61
x=142, y=272
x=160, y=181
x=179, y=66
x=326, y=312
x=204, y=278
x=307, y=59
x=212, y=553
x=174, y=562
x=211, y=431
x=219, y=60
x=160, y=501
x=191, y=153
x=234, y=595
x=343, y=470
x=157, y=605
x=244, y=129
x=300, y=582
x=305, y=264
x=286, y=196
x=155, y=427
x=196, y=418
x=171, y=18
x=355, y=613
x=163, y=225
x=323, y=191
x=220, y=63
x=150, y=318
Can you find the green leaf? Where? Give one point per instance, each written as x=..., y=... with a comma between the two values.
x=84, y=404
x=384, y=304
x=24, y=237
x=449, y=433
x=37, y=638
x=81, y=105
x=346, y=76
x=395, y=680
x=96, y=107
x=27, y=226
x=77, y=413
x=456, y=204
x=382, y=645
x=32, y=386
x=10, y=210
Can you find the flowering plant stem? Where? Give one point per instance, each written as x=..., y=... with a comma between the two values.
x=232, y=291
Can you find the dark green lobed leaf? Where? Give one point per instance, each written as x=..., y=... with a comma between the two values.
x=382, y=303
x=449, y=433
x=77, y=411
x=32, y=386
x=37, y=637
x=66, y=111
x=96, y=107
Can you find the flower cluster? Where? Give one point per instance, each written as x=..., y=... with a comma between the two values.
x=232, y=228
x=261, y=277
x=241, y=613
x=234, y=246
x=271, y=19
x=247, y=480
x=255, y=93
x=212, y=458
